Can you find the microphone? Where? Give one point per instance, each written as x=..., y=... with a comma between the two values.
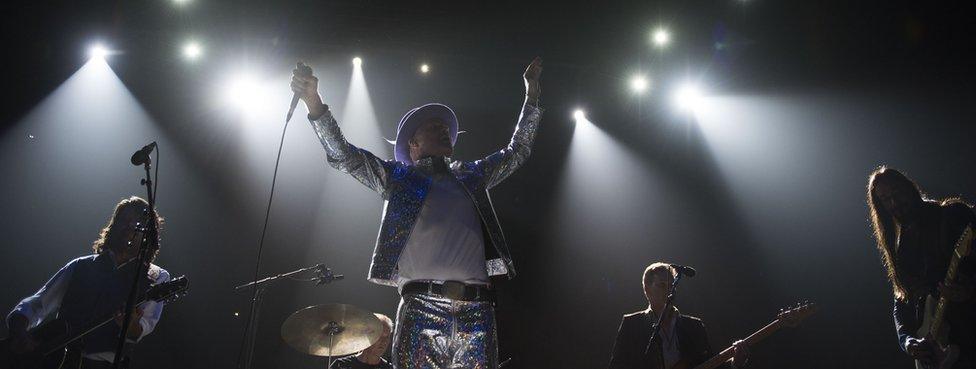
x=142, y=156
x=686, y=270
x=324, y=275
x=305, y=71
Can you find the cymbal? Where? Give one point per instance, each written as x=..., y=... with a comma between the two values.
x=354, y=329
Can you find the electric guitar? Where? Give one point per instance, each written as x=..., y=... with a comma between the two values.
x=786, y=318
x=933, y=326
x=55, y=338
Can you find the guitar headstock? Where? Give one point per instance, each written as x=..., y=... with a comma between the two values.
x=965, y=242
x=792, y=316
x=170, y=291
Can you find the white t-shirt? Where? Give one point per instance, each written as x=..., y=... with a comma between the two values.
x=447, y=243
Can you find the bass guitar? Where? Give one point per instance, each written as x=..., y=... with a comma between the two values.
x=786, y=318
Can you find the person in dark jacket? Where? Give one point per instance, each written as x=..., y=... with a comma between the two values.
x=682, y=341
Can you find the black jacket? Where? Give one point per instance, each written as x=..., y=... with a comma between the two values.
x=634, y=332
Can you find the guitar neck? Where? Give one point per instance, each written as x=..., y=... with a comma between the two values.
x=938, y=317
x=960, y=250
x=754, y=338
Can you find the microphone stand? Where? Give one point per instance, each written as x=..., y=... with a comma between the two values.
x=323, y=275
x=147, y=246
x=660, y=314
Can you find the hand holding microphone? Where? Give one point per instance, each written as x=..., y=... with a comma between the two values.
x=306, y=87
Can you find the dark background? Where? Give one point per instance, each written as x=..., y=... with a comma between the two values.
x=763, y=191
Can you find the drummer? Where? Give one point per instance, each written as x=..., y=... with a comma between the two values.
x=372, y=356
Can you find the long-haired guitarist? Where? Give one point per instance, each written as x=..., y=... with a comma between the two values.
x=917, y=238
x=682, y=341
x=94, y=286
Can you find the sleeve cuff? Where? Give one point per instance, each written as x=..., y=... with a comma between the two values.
x=147, y=328
x=326, y=113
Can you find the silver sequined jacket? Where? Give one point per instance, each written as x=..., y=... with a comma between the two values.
x=404, y=187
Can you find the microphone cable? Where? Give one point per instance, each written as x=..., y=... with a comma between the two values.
x=257, y=262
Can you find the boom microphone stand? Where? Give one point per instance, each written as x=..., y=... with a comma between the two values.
x=148, y=245
x=660, y=314
x=322, y=276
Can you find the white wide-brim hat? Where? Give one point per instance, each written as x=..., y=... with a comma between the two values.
x=413, y=119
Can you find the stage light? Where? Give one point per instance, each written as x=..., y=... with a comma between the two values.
x=579, y=115
x=244, y=92
x=688, y=97
x=357, y=61
x=181, y=2
x=98, y=51
x=424, y=68
x=192, y=50
x=639, y=83
x=661, y=37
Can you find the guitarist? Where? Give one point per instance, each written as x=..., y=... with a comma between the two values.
x=916, y=237
x=682, y=341
x=94, y=286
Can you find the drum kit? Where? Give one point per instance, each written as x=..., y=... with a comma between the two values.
x=328, y=330
x=331, y=330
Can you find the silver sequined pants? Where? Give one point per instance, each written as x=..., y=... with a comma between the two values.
x=440, y=333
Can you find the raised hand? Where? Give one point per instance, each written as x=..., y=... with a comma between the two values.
x=306, y=85
x=531, y=76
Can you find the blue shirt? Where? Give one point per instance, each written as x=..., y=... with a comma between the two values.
x=85, y=289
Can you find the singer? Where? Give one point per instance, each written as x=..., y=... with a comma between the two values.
x=682, y=341
x=439, y=240
x=92, y=286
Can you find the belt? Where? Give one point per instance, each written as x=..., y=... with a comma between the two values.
x=453, y=290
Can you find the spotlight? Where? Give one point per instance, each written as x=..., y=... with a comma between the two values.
x=639, y=83
x=357, y=61
x=579, y=114
x=689, y=97
x=661, y=37
x=424, y=68
x=244, y=92
x=98, y=51
x=181, y=2
x=192, y=50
